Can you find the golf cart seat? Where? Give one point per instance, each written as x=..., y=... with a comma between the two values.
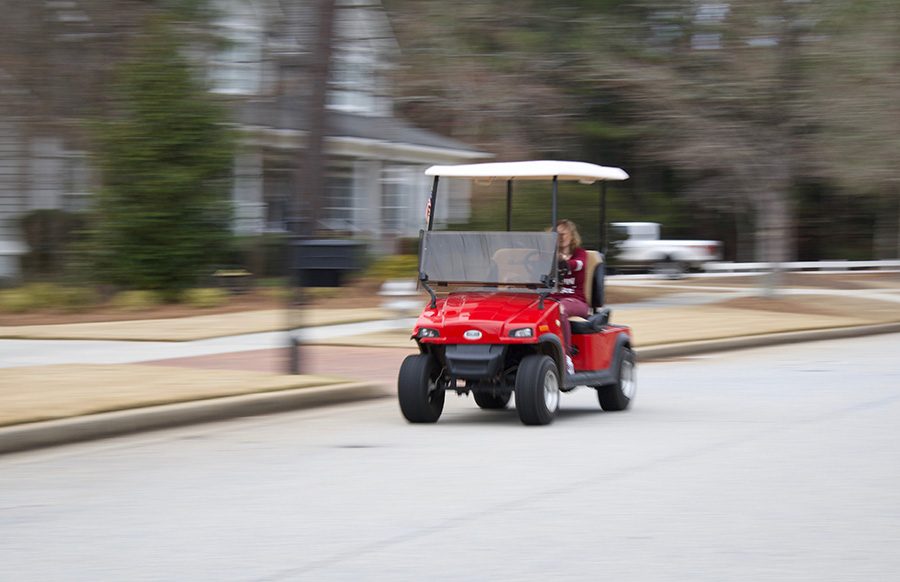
x=594, y=276
x=592, y=324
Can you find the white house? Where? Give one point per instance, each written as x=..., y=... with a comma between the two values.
x=375, y=189
x=375, y=182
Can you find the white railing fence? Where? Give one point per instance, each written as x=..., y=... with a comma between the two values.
x=726, y=267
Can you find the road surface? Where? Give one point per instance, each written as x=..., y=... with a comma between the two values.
x=766, y=464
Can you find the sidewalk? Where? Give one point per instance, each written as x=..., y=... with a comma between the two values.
x=45, y=405
x=190, y=328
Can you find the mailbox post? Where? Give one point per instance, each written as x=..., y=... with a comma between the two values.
x=317, y=262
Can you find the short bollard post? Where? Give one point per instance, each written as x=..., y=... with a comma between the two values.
x=294, y=356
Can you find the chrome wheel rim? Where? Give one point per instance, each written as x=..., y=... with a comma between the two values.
x=551, y=391
x=628, y=381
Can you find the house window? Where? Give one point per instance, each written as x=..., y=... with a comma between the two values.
x=278, y=185
x=339, y=203
x=237, y=68
x=397, y=191
x=76, y=183
x=337, y=207
x=353, y=80
x=59, y=178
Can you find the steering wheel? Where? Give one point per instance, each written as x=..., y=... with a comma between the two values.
x=532, y=263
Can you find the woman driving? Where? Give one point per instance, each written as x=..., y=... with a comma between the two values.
x=572, y=261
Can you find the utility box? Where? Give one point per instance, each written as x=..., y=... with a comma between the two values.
x=324, y=262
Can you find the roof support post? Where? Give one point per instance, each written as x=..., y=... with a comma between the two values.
x=430, y=211
x=555, y=192
x=508, y=205
x=602, y=225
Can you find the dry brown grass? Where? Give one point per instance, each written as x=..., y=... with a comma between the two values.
x=811, y=279
x=868, y=309
x=618, y=294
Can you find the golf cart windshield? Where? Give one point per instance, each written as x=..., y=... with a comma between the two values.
x=489, y=258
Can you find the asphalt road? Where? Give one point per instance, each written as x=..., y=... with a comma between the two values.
x=766, y=464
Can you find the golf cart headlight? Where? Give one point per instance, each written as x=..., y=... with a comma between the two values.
x=522, y=332
x=428, y=332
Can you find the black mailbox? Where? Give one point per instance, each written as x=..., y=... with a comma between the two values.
x=324, y=262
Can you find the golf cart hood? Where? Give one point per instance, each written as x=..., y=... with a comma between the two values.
x=494, y=314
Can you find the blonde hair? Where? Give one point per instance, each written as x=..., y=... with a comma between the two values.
x=573, y=230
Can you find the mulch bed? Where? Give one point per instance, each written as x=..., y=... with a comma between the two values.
x=364, y=295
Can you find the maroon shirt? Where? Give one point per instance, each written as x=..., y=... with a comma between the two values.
x=572, y=284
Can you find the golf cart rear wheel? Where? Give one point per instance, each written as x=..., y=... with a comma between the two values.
x=421, y=400
x=537, y=390
x=491, y=401
x=618, y=396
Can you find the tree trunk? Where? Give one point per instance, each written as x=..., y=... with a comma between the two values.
x=774, y=237
x=884, y=229
x=744, y=236
x=896, y=193
x=312, y=173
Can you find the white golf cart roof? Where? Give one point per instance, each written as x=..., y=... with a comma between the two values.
x=535, y=170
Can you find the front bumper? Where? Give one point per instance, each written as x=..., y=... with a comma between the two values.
x=474, y=362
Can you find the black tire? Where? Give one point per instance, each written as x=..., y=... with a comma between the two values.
x=491, y=401
x=537, y=390
x=420, y=399
x=670, y=268
x=618, y=396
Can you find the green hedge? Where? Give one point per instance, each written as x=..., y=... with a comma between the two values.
x=395, y=267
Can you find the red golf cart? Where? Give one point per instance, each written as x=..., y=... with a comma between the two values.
x=494, y=330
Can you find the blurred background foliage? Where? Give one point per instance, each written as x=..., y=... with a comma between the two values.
x=531, y=208
x=771, y=125
x=163, y=215
x=50, y=235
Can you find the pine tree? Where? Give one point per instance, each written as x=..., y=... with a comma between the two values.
x=163, y=214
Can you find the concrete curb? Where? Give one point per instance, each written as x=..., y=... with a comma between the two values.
x=650, y=353
x=35, y=435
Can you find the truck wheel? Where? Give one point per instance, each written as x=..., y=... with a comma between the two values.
x=669, y=268
x=421, y=400
x=619, y=395
x=491, y=401
x=537, y=390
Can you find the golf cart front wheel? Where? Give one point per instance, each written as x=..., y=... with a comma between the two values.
x=537, y=390
x=421, y=399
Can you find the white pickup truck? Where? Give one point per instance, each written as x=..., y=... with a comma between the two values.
x=638, y=247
